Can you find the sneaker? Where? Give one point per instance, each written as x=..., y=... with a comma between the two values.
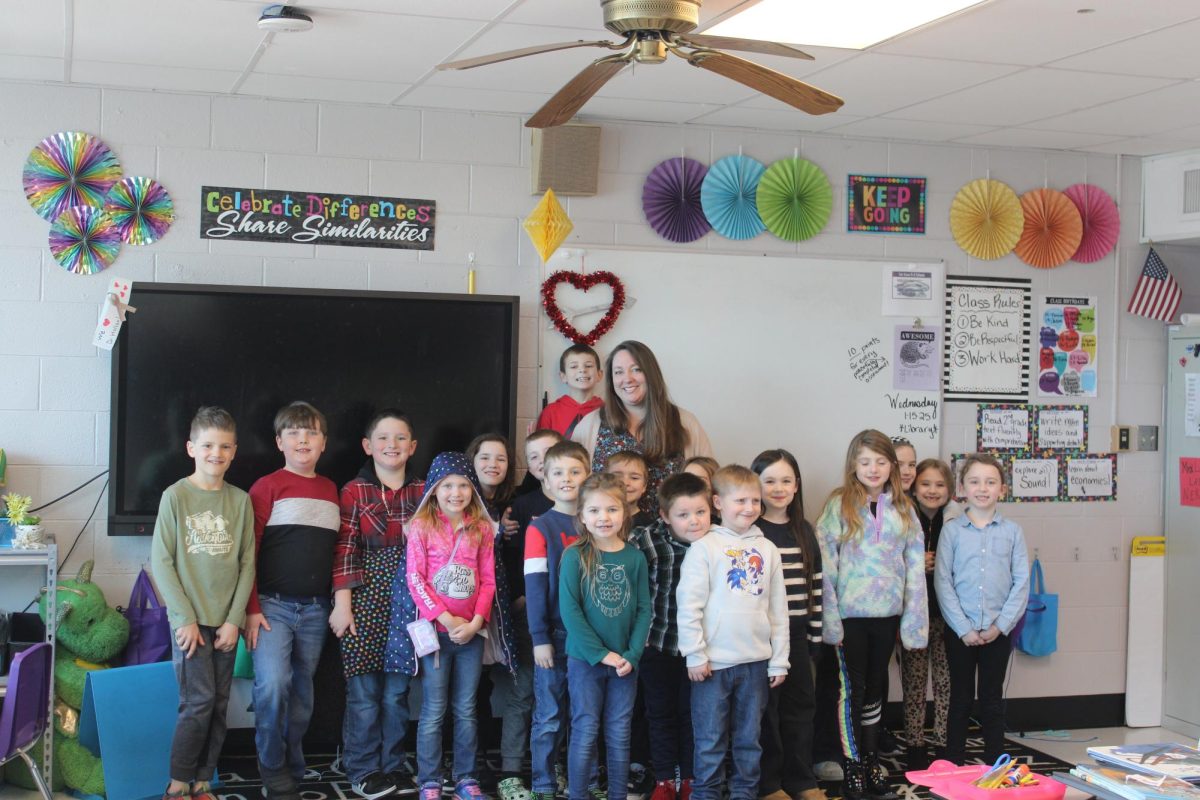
x=201, y=790
x=640, y=783
x=663, y=790
x=596, y=793
x=374, y=786
x=431, y=790
x=182, y=794
x=888, y=745
x=402, y=779
x=560, y=778
x=513, y=789
x=536, y=795
x=828, y=771
x=468, y=789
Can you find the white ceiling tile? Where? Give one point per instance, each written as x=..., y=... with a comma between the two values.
x=385, y=47
x=461, y=9
x=567, y=13
x=887, y=128
x=39, y=32
x=1027, y=96
x=1038, y=31
x=1167, y=109
x=1168, y=53
x=307, y=88
x=31, y=68
x=1145, y=146
x=1045, y=140
x=140, y=76
x=781, y=119
x=874, y=83
x=215, y=34
x=642, y=110
x=675, y=81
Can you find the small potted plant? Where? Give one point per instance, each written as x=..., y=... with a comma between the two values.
x=26, y=528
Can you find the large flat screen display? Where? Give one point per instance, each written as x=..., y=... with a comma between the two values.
x=449, y=361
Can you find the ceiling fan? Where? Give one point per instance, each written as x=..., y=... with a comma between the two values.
x=653, y=28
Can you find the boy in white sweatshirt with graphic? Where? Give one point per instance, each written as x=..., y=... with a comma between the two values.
x=733, y=631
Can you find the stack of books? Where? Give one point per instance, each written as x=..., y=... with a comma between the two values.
x=1165, y=771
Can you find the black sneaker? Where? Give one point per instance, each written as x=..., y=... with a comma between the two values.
x=641, y=782
x=374, y=786
x=888, y=745
x=403, y=780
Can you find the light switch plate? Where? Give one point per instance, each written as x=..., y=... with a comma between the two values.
x=1147, y=438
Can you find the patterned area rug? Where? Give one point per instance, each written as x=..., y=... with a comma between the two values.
x=240, y=781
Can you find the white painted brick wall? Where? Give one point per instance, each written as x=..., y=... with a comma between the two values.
x=54, y=416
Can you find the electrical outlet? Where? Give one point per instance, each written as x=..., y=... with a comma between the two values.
x=1147, y=438
x=1122, y=438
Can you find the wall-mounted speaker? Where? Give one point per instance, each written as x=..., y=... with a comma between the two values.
x=565, y=159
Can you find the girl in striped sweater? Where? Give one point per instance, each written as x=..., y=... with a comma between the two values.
x=787, y=729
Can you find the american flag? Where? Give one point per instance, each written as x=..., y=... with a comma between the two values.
x=1157, y=294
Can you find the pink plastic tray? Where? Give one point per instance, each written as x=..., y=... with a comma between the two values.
x=954, y=782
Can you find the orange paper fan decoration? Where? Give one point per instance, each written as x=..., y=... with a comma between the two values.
x=1053, y=229
x=986, y=218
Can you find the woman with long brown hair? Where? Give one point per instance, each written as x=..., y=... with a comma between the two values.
x=638, y=415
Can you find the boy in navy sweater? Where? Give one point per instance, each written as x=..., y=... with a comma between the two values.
x=566, y=466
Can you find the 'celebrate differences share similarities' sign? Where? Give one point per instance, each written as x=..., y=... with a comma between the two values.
x=278, y=215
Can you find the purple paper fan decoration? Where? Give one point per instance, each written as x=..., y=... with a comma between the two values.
x=671, y=200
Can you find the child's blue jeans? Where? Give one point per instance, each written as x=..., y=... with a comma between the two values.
x=449, y=679
x=598, y=692
x=285, y=660
x=375, y=723
x=729, y=704
x=551, y=719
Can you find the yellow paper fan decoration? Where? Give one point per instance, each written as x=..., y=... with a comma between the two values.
x=986, y=219
x=548, y=225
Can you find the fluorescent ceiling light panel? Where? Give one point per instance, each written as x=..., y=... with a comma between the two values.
x=854, y=25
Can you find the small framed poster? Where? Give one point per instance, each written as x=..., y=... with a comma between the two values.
x=1034, y=479
x=1091, y=477
x=1061, y=428
x=885, y=204
x=1003, y=427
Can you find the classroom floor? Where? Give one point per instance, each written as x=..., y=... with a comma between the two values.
x=1071, y=747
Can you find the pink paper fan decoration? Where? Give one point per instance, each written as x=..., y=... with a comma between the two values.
x=1101, y=222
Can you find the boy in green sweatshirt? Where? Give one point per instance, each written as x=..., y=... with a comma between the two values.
x=202, y=558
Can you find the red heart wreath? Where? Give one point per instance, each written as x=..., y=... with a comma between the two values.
x=584, y=282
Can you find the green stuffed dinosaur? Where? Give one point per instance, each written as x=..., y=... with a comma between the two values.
x=90, y=633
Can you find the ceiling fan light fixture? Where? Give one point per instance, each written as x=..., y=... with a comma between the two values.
x=284, y=19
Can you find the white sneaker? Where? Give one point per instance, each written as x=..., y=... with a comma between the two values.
x=828, y=771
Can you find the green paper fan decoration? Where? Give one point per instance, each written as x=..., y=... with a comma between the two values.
x=794, y=199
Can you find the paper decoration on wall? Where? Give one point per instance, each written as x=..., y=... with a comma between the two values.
x=112, y=313
x=1101, y=221
x=584, y=282
x=69, y=169
x=913, y=290
x=1035, y=479
x=1091, y=477
x=986, y=219
x=917, y=358
x=1067, y=347
x=1003, y=428
x=84, y=240
x=1060, y=428
x=1189, y=481
x=729, y=197
x=671, y=200
x=987, y=336
x=1053, y=229
x=548, y=225
x=885, y=204
x=141, y=209
x=794, y=199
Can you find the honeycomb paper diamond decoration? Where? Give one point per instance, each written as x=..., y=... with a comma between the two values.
x=548, y=225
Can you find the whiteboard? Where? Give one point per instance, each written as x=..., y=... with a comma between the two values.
x=759, y=348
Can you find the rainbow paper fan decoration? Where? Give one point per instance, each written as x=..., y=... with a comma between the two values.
x=84, y=240
x=1053, y=229
x=986, y=219
x=1101, y=221
x=69, y=169
x=141, y=209
x=729, y=197
x=794, y=199
x=671, y=200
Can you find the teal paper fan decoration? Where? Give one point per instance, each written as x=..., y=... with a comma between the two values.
x=728, y=197
x=794, y=199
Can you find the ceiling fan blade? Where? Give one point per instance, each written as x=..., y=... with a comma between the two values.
x=509, y=55
x=570, y=98
x=746, y=45
x=782, y=87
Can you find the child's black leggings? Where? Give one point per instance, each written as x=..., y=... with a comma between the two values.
x=867, y=644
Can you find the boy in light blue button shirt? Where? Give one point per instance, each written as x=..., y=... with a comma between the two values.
x=982, y=582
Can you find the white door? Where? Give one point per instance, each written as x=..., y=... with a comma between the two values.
x=1181, y=695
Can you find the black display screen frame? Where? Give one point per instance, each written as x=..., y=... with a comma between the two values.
x=456, y=375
